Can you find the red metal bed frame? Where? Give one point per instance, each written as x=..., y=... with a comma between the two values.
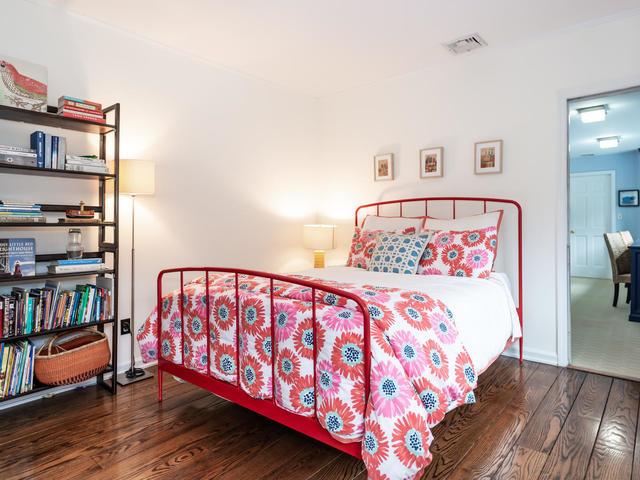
x=309, y=426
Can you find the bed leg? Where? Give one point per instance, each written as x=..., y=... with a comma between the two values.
x=159, y=385
x=521, y=352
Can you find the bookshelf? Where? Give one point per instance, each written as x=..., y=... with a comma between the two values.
x=109, y=132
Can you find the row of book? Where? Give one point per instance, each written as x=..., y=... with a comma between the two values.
x=80, y=109
x=16, y=368
x=78, y=265
x=50, y=150
x=23, y=312
x=86, y=163
x=12, y=212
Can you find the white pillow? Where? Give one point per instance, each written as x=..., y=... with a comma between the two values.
x=390, y=224
x=473, y=222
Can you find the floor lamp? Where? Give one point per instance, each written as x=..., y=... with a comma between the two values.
x=137, y=177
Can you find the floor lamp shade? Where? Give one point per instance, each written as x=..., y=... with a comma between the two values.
x=137, y=177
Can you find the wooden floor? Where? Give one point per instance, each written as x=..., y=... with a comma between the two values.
x=534, y=421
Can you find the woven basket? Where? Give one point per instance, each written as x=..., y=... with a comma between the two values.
x=62, y=362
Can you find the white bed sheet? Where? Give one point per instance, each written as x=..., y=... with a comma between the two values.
x=483, y=309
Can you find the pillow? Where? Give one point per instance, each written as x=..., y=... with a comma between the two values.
x=391, y=224
x=473, y=222
x=362, y=244
x=398, y=253
x=460, y=254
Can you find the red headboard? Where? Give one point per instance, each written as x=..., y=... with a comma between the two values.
x=416, y=206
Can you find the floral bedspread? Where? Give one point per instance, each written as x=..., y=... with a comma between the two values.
x=419, y=367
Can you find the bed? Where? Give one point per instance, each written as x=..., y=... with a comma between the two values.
x=364, y=361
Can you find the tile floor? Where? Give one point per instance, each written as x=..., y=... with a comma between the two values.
x=602, y=337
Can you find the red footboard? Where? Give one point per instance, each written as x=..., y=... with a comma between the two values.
x=310, y=426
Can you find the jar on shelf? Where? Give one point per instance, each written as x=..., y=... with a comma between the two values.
x=74, y=246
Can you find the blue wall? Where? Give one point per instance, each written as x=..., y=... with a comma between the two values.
x=627, y=168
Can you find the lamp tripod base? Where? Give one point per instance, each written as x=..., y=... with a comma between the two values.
x=133, y=375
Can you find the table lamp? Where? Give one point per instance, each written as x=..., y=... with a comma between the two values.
x=318, y=238
x=137, y=177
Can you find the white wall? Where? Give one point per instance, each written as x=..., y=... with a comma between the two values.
x=232, y=152
x=517, y=94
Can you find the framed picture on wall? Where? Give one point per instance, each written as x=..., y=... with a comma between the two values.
x=383, y=167
x=431, y=162
x=488, y=157
x=23, y=84
x=628, y=198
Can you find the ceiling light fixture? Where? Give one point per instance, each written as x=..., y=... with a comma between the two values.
x=609, y=142
x=593, y=114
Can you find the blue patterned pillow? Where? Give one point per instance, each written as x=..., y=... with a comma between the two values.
x=397, y=253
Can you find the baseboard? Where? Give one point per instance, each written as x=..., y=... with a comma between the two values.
x=55, y=391
x=533, y=355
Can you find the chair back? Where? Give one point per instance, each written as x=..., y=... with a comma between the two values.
x=627, y=237
x=617, y=248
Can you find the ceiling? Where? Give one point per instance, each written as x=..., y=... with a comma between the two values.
x=623, y=120
x=322, y=46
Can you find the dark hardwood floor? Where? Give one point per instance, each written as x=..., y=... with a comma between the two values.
x=534, y=421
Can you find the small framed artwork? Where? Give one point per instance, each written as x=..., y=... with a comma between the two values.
x=383, y=167
x=431, y=162
x=23, y=84
x=488, y=157
x=628, y=198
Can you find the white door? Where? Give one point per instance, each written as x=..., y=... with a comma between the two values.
x=591, y=214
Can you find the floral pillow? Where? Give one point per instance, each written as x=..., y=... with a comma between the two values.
x=362, y=245
x=470, y=253
x=398, y=253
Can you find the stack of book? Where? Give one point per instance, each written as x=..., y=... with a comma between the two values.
x=80, y=109
x=16, y=368
x=79, y=265
x=11, y=155
x=11, y=212
x=23, y=312
x=50, y=150
x=86, y=163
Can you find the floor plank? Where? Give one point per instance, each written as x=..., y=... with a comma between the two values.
x=612, y=456
x=193, y=434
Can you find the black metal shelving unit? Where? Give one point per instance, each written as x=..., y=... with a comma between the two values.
x=107, y=184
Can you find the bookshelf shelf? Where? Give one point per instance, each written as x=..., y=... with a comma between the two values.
x=52, y=172
x=56, y=224
x=56, y=330
x=43, y=388
x=49, y=119
x=53, y=276
x=108, y=216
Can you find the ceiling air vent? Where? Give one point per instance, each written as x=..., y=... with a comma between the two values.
x=466, y=44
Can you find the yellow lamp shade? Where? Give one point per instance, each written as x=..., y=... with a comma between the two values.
x=318, y=237
x=137, y=177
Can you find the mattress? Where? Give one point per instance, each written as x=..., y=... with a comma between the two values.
x=483, y=309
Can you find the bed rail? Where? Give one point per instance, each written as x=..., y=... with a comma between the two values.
x=268, y=407
x=485, y=201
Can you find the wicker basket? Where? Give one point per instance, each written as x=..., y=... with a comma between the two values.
x=62, y=362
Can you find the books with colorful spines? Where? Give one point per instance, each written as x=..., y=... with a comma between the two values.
x=79, y=116
x=78, y=101
x=74, y=107
x=94, y=115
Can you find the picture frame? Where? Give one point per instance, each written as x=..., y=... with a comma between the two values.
x=383, y=167
x=23, y=84
x=628, y=198
x=488, y=157
x=431, y=162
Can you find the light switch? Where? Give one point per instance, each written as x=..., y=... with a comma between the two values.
x=619, y=216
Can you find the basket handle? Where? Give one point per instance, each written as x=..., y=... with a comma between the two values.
x=79, y=333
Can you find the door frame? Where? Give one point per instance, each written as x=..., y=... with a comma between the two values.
x=563, y=254
x=614, y=223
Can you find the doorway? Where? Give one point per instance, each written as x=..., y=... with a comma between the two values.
x=604, y=163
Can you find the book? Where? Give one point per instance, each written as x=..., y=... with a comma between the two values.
x=77, y=268
x=18, y=257
x=22, y=219
x=79, y=116
x=47, y=150
x=79, y=108
x=62, y=153
x=87, y=168
x=54, y=151
x=67, y=98
x=89, y=114
x=78, y=220
x=37, y=144
x=79, y=261
x=13, y=148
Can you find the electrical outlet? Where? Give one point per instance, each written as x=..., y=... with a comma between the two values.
x=125, y=326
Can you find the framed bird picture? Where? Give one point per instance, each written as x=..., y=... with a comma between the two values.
x=23, y=84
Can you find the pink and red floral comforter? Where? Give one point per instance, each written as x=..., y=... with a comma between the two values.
x=419, y=367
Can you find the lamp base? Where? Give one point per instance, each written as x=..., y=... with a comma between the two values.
x=133, y=375
x=318, y=259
